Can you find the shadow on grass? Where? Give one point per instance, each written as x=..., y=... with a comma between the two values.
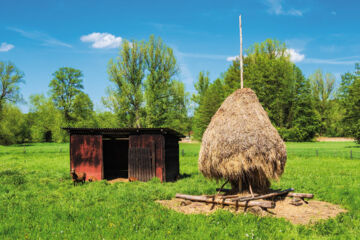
x=182, y=176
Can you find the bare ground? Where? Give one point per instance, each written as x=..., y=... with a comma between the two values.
x=334, y=139
x=304, y=214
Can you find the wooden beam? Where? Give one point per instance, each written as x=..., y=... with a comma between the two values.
x=264, y=204
x=269, y=195
x=241, y=55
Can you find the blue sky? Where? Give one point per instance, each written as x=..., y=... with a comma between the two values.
x=42, y=36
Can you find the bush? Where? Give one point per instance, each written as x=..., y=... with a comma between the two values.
x=296, y=134
x=356, y=132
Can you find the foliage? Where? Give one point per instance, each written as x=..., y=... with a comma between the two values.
x=200, y=86
x=269, y=72
x=356, y=132
x=208, y=105
x=38, y=200
x=322, y=89
x=127, y=74
x=84, y=115
x=159, y=87
x=107, y=119
x=280, y=86
x=64, y=87
x=303, y=122
x=13, y=126
x=349, y=95
x=146, y=93
x=46, y=120
x=10, y=78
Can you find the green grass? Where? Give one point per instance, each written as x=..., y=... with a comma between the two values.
x=38, y=200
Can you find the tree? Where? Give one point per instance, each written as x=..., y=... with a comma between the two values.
x=209, y=104
x=201, y=86
x=303, y=122
x=64, y=87
x=46, y=120
x=10, y=78
x=13, y=127
x=176, y=111
x=269, y=72
x=162, y=67
x=349, y=94
x=280, y=86
x=127, y=74
x=322, y=88
x=84, y=111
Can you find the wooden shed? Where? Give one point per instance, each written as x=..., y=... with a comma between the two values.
x=141, y=153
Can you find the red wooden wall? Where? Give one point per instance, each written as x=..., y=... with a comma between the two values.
x=147, y=156
x=86, y=155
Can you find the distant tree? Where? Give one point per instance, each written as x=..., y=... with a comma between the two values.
x=10, y=78
x=64, y=87
x=46, y=120
x=209, y=104
x=201, y=86
x=84, y=111
x=107, y=119
x=13, y=128
x=322, y=88
x=176, y=111
x=269, y=72
x=349, y=95
x=159, y=85
x=303, y=121
x=126, y=98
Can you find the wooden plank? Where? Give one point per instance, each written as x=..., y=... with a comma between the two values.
x=264, y=204
x=274, y=194
x=153, y=157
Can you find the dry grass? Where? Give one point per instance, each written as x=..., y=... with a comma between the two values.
x=241, y=145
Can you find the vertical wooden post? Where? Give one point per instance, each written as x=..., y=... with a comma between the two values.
x=241, y=57
x=351, y=154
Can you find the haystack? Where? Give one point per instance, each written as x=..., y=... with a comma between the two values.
x=241, y=145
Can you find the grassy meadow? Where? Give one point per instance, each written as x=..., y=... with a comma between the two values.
x=38, y=200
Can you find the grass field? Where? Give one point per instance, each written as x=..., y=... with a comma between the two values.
x=38, y=200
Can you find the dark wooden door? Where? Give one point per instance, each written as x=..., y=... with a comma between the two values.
x=146, y=157
x=140, y=164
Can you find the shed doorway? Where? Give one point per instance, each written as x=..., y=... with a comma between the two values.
x=115, y=158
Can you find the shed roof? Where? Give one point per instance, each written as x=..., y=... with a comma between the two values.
x=123, y=131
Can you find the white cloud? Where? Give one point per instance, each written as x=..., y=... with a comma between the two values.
x=102, y=40
x=295, y=56
x=232, y=58
x=276, y=7
x=41, y=37
x=5, y=47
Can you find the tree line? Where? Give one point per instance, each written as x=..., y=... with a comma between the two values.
x=299, y=107
x=145, y=91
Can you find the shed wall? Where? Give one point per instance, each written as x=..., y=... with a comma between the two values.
x=86, y=155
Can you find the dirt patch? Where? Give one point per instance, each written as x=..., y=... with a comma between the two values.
x=118, y=180
x=303, y=214
x=334, y=139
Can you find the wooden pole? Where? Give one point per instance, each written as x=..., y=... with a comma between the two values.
x=264, y=204
x=242, y=199
x=241, y=57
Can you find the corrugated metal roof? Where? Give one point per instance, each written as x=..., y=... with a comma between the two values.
x=123, y=131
